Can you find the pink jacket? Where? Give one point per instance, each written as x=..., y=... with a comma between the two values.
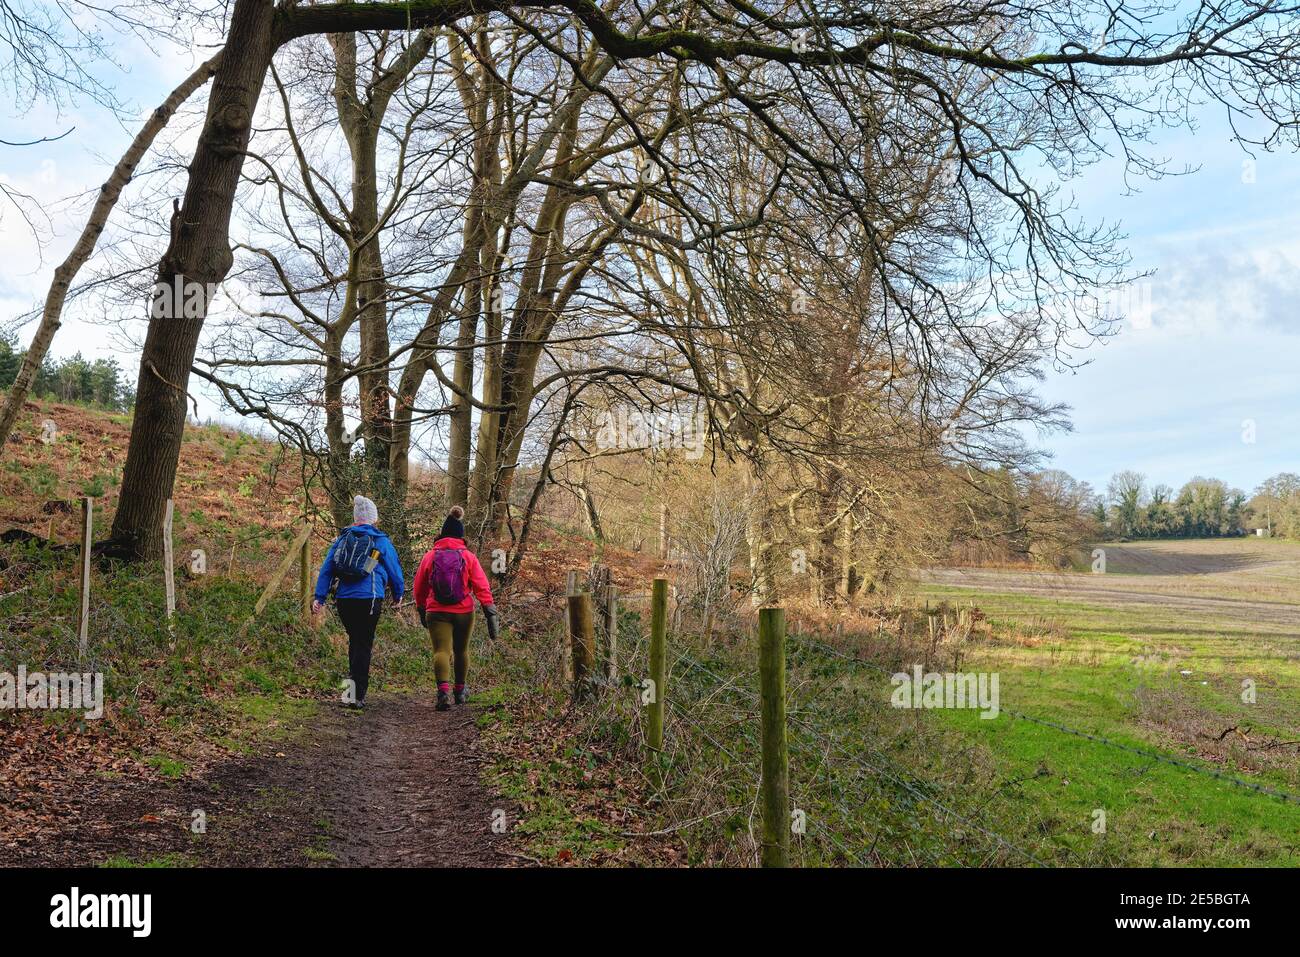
x=476, y=583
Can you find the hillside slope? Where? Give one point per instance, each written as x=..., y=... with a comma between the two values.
x=246, y=728
x=230, y=486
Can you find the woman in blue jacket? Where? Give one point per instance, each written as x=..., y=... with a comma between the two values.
x=364, y=564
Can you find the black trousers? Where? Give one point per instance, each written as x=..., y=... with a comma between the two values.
x=359, y=617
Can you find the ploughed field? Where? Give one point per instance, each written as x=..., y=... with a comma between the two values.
x=1215, y=577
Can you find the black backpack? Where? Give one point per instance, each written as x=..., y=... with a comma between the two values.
x=356, y=555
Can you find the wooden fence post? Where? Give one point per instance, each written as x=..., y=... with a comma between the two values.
x=583, y=642
x=87, y=534
x=658, y=635
x=169, y=566
x=776, y=757
x=169, y=573
x=304, y=576
x=273, y=585
x=605, y=609
x=611, y=632
x=566, y=647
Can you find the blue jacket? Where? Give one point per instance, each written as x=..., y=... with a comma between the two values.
x=386, y=576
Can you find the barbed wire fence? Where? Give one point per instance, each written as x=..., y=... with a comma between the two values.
x=869, y=808
x=862, y=756
x=1090, y=736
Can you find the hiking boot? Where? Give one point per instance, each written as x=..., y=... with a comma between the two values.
x=444, y=701
x=462, y=695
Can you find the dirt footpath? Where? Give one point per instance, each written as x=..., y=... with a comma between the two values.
x=406, y=790
x=397, y=786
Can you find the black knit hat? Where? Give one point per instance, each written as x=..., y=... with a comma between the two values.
x=453, y=527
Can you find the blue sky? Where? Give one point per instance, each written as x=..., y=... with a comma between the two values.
x=1172, y=395
x=1205, y=381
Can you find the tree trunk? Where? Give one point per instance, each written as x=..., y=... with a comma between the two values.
x=199, y=252
x=338, y=463
x=518, y=393
x=759, y=536
x=485, y=452
x=828, y=565
x=422, y=359
x=462, y=416
x=361, y=118
x=589, y=507
x=372, y=310
x=850, y=577
x=663, y=531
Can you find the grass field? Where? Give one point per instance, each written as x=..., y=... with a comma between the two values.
x=1159, y=653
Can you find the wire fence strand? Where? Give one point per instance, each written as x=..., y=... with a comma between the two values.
x=1097, y=738
x=894, y=774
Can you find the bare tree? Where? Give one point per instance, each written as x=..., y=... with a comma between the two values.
x=66, y=272
x=848, y=70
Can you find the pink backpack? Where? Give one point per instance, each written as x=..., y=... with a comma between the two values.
x=448, y=576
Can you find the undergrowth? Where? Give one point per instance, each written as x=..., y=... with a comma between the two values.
x=870, y=785
x=184, y=668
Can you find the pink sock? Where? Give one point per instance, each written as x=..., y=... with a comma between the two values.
x=444, y=686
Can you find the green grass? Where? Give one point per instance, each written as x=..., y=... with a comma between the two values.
x=167, y=767
x=200, y=674
x=876, y=786
x=550, y=760
x=263, y=717
x=318, y=852
x=1156, y=814
x=1092, y=661
x=1117, y=672
x=163, y=861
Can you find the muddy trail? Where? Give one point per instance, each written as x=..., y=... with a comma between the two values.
x=406, y=790
x=396, y=786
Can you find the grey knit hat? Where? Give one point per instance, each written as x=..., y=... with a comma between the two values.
x=364, y=511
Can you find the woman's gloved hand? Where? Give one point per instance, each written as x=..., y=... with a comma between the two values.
x=424, y=623
x=493, y=620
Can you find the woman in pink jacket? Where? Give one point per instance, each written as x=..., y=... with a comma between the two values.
x=446, y=584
